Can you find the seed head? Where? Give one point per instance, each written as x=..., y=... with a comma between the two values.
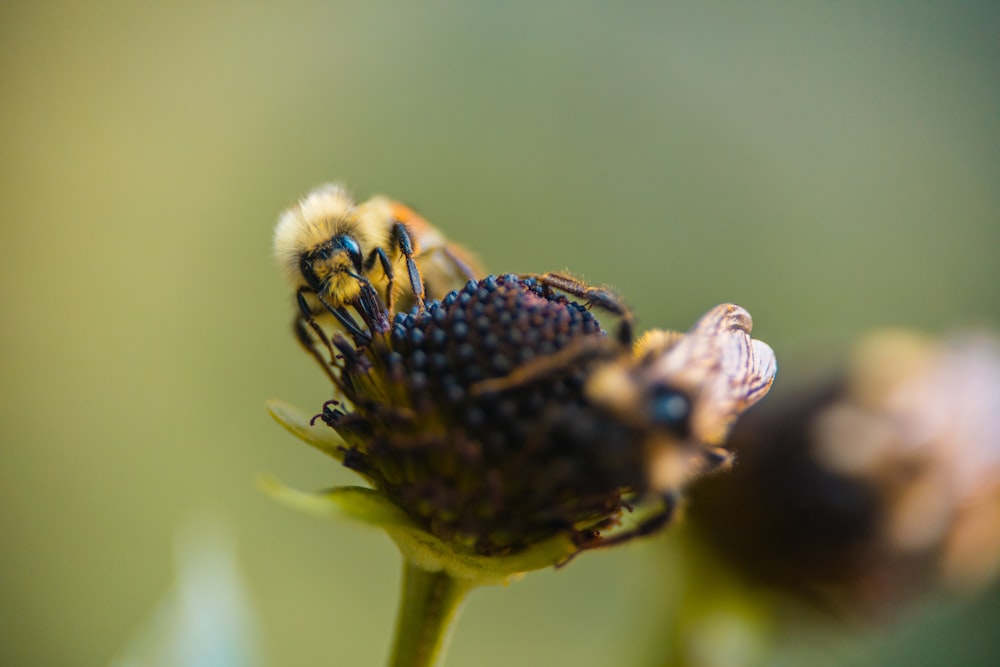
x=479, y=416
x=491, y=470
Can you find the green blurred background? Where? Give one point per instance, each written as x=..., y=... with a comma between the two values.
x=831, y=166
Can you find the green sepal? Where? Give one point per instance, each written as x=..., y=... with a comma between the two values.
x=296, y=422
x=416, y=544
x=430, y=553
x=352, y=502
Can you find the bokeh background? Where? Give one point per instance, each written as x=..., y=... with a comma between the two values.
x=833, y=167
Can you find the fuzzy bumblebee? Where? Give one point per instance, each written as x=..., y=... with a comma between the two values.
x=503, y=414
x=330, y=247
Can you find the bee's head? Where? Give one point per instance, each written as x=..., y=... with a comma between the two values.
x=321, y=243
x=633, y=395
x=333, y=265
x=668, y=408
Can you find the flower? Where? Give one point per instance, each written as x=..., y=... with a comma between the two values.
x=855, y=491
x=502, y=423
x=502, y=431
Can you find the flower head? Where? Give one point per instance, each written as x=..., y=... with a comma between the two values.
x=503, y=415
x=492, y=470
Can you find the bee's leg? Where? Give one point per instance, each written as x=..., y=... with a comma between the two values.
x=371, y=310
x=540, y=368
x=601, y=297
x=309, y=343
x=306, y=316
x=390, y=275
x=360, y=336
x=401, y=238
x=648, y=525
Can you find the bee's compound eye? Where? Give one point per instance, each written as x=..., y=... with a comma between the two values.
x=349, y=245
x=671, y=408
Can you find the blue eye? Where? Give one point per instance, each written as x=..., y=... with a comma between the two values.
x=671, y=408
x=351, y=247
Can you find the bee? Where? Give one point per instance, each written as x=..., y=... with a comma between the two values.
x=341, y=255
x=689, y=385
x=680, y=392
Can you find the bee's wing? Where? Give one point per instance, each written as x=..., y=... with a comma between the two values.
x=723, y=368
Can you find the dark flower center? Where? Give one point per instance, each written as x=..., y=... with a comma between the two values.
x=472, y=414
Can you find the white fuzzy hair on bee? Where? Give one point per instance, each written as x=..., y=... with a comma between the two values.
x=324, y=213
x=329, y=245
x=312, y=220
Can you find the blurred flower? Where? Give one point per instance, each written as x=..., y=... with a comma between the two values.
x=855, y=492
x=209, y=617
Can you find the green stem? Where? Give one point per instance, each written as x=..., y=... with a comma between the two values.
x=429, y=604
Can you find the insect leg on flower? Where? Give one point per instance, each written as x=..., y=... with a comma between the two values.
x=399, y=239
x=332, y=247
x=600, y=297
